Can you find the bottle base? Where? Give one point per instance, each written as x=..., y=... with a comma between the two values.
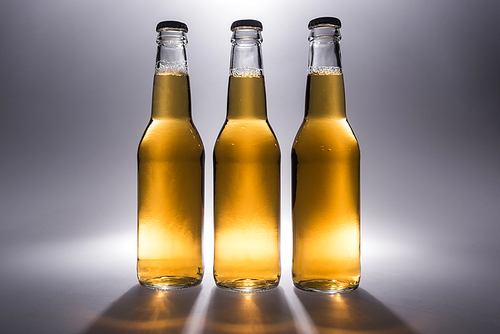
x=170, y=282
x=246, y=285
x=326, y=286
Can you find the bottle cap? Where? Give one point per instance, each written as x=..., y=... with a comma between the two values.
x=246, y=24
x=324, y=22
x=174, y=25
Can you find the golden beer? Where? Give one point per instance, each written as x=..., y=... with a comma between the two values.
x=247, y=192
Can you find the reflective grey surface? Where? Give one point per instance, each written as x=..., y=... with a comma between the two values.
x=422, y=96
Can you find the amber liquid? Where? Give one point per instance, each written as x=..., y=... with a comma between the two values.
x=170, y=190
x=246, y=192
x=326, y=192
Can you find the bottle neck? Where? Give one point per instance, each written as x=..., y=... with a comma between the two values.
x=325, y=95
x=324, y=50
x=171, y=55
x=171, y=91
x=246, y=92
x=246, y=53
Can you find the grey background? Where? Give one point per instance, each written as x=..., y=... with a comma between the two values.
x=423, y=96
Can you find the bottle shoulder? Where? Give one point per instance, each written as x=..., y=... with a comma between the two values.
x=247, y=139
x=325, y=136
x=167, y=138
x=243, y=131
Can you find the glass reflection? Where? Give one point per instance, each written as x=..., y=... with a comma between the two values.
x=231, y=312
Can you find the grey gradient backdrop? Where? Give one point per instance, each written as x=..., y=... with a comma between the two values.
x=423, y=97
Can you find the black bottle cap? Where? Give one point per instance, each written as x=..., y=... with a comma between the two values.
x=249, y=24
x=175, y=25
x=324, y=22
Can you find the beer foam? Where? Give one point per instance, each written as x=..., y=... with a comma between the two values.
x=245, y=71
x=171, y=67
x=324, y=70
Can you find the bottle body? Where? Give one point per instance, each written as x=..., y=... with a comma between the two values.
x=326, y=190
x=246, y=190
x=170, y=189
x=246, y=201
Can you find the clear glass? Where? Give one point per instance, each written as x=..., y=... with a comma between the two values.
x=170, y=177
x=246, y=178
x=246, y=53
x=324, y=50
x=325, y=178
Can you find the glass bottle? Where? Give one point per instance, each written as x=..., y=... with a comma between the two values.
x=170, y=174
x=246, y=175
x=325, y=174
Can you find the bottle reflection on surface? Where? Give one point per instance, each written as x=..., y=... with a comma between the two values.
x=147, y=311
x=358, y=312
x=230, y=312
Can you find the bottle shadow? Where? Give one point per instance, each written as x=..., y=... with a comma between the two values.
x=266, y=312
x=142, y=310
x=354, y=312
